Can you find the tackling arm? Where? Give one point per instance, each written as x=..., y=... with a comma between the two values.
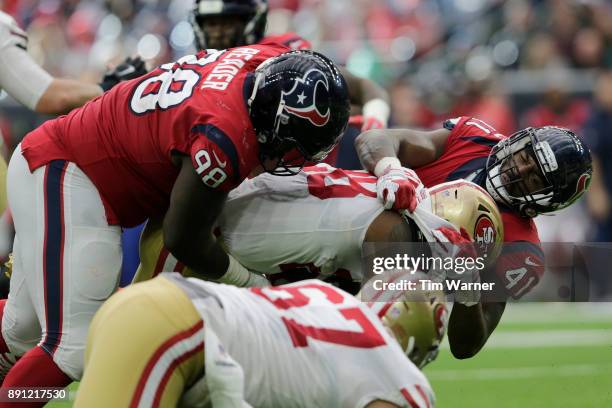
x=413, y=148
x=33, y=87
x=372, y=98
x=63, y=95
x=189, y=221
x=470, y=327
x=363, y=90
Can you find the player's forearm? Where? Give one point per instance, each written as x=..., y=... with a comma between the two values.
x=413, y=148
x=198, y=250
x=368, y=90
x=470, y=327
x=467, y=331
x=374, y=145
x=362, y=90
x=63, y=95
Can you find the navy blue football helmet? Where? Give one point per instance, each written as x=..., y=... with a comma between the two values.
x=564, y=170
x=299, y=101
x=252, y=15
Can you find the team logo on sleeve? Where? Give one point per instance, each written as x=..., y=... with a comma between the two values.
x=301, y=100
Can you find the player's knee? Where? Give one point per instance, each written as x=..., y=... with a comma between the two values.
x=99, y=261
x=19, y=332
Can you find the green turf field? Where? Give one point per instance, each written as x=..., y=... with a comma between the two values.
x=541, y=355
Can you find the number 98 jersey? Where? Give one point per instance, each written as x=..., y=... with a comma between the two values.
x=123, y=140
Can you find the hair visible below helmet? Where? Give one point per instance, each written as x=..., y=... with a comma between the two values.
x=563, y=159
x=467, y=205
x=253, y=12
x=299, y=101
x=416, y=318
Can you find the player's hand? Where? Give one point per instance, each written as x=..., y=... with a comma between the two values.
x=129, y=69
x=366, y=122
x=452, y=236
x=400, y=189
x=458, y=244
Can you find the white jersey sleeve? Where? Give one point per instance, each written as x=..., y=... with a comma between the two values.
x=307, y=344
x=316, y=219
x=20, y=75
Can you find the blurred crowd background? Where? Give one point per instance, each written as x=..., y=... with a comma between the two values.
x=512, y=63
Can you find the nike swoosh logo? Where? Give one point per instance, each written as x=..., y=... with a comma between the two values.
x=221, y=164
x=529, y=262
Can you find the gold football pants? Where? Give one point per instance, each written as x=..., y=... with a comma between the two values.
x=145, y=347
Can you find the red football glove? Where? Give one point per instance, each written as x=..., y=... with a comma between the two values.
x=400, y=189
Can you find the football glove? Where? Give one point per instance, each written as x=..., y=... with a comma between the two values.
x=129, y=69
x=400, y=189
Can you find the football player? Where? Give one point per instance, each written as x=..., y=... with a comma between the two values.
x=23, y=79
x=229, y=23
x=314, y=224
x=169, y=145
x=304, y=344
x=533, y=171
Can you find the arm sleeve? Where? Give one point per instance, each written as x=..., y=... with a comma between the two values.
x=520, y=267
x=213, y=164
x=521, y=263
x=20, y=76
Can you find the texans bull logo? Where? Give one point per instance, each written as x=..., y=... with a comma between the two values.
x=581, y=186
x=301, y=100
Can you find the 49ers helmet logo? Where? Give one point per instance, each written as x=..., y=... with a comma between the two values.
x=301, y=100
x=484, y=234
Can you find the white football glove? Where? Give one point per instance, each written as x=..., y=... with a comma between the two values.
x=400, y=189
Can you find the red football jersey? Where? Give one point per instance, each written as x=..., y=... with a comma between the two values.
x=123, y=140
x=520, y=265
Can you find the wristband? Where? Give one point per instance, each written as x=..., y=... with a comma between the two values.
x=377, y=108
x=236, y=274
x=385, y=163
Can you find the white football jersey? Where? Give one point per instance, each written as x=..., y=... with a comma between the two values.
x=316, y=219
x=20, y=75
x=306, y=344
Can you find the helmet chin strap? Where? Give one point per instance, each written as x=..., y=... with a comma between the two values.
x=258, y=77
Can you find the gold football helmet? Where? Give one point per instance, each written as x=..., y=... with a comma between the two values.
x=416, y=318
x=465, y=204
